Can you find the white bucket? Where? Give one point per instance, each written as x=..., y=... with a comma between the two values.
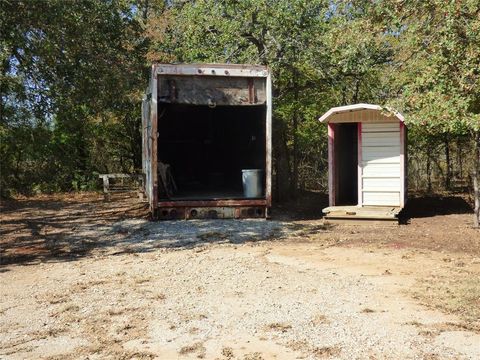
x=252, y=183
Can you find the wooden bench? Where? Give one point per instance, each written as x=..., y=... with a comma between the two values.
x=122, y=183
x=459, y=185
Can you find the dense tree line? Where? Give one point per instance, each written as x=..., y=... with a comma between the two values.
x=73, y=72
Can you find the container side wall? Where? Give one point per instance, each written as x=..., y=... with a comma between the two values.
x=153, y=140
x=147, y=143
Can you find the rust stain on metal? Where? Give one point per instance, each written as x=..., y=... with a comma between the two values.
x=212, y=212
x=213, y=203
x=173, y=90
x=251, y=91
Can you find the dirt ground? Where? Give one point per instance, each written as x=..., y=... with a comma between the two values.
x=85, y=279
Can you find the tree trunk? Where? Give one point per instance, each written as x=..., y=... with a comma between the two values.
x=295, y=136
x=357, y=90
x=282, y=167
x=295, y=155
x=476, y=182
x=429, y=174
x=448, y=173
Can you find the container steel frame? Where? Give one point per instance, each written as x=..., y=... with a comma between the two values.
x=237, y=208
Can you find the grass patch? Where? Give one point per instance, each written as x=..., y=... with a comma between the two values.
x=320, y=319
x=297, y=345
x=58, y=299
x=227, y=352
x=142, y=280
x=69, y=308
x=197, y=348
x=326, y=351
x=455, y=294
x=414, y=323
x=158, y=296
x=115, y=312
x=279, y=327
x=253, y=356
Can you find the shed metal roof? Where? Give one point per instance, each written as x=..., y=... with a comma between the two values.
x=357, y=107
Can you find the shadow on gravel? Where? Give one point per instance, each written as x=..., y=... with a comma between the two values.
x=58, y=228
x=430, y=206
x=144, y=236
x=66, y=230
x=307, y=206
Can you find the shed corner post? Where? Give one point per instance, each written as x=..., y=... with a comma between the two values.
x=359, y=165
x=331, y=164
x=403, y=165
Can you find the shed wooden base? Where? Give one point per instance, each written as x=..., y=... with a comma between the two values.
x=365, y=215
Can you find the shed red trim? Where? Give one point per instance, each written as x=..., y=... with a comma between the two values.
x=331, y=164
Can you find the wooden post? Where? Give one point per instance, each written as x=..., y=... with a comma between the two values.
x=105, y=183
x=106, y=188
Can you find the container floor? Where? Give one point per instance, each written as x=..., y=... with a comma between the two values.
x=209, y=195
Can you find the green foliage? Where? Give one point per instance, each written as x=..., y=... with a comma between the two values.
x=436, y=67
x=72, y=74
x=314, y=65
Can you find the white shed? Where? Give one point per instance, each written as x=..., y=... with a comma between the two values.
x=366, y=162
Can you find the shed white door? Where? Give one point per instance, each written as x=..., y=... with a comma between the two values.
x=380, y=164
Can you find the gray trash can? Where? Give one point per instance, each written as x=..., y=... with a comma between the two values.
x=252, y=183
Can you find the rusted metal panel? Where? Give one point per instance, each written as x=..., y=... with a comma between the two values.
x=211, y=212
x=268, y=139
x=213, y=203
x=251, y=91
x=171, y=213
x=154, y=139
x=211, y=90
x=230, y=70
x=147, y=144
x=247, y=85
x=250, y=212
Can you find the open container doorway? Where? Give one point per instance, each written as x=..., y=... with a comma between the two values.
x=207, y=147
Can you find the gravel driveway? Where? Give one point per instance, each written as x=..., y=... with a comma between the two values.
x=223, y=289
x=225, y=301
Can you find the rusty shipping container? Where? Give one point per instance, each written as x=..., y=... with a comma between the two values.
x=204, y=126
